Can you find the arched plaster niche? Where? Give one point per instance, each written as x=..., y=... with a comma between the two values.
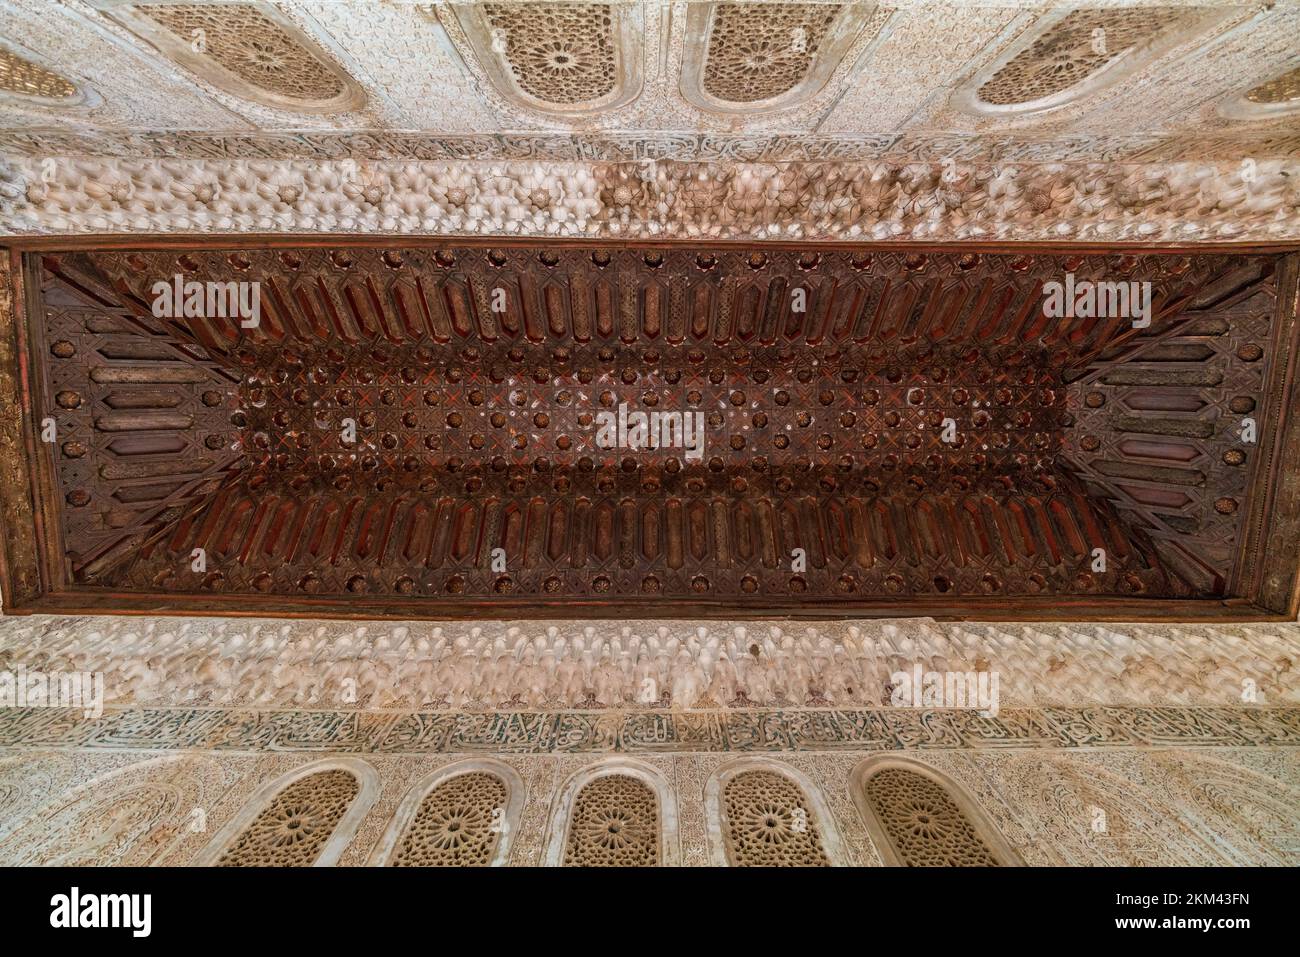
x=724, y=849
x=562, y=813
x=341, y=834
x=515, y=794
x=747, y=58
x=961, y=827
x=566, y=59
x=249, y=50
x=1070, y=54
x=1269, y=99
x=27, y=81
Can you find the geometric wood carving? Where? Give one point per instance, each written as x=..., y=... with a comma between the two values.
x=920, y=437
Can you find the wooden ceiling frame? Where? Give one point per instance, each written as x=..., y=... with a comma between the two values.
x=34, y=574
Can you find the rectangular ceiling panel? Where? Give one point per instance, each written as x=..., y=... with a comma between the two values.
x=416, y=428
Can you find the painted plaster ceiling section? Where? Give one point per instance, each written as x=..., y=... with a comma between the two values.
x=656, y=71
x=124, y=85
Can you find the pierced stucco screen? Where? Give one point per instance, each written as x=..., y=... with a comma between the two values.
x=568, y=58
x=735, y=61
x=1072, y=54
x=249, y=50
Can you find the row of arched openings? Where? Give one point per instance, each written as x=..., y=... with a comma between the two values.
x=615, y=813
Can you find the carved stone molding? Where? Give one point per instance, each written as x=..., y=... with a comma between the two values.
x=480, y=666
x=645, y=733
x=377, y=145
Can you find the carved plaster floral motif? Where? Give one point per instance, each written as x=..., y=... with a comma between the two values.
x=770, y=823
x=924, y=824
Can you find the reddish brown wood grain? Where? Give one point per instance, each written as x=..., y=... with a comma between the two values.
x=476, y=430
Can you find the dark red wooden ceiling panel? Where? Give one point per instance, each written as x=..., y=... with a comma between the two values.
x=879, y=427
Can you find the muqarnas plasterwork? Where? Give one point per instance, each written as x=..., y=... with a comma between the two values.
x=561, y=665
x=640, y=200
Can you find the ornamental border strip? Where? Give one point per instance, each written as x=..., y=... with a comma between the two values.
x=644, y=732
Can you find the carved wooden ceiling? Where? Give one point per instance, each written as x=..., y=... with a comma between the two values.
x=883, y=429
